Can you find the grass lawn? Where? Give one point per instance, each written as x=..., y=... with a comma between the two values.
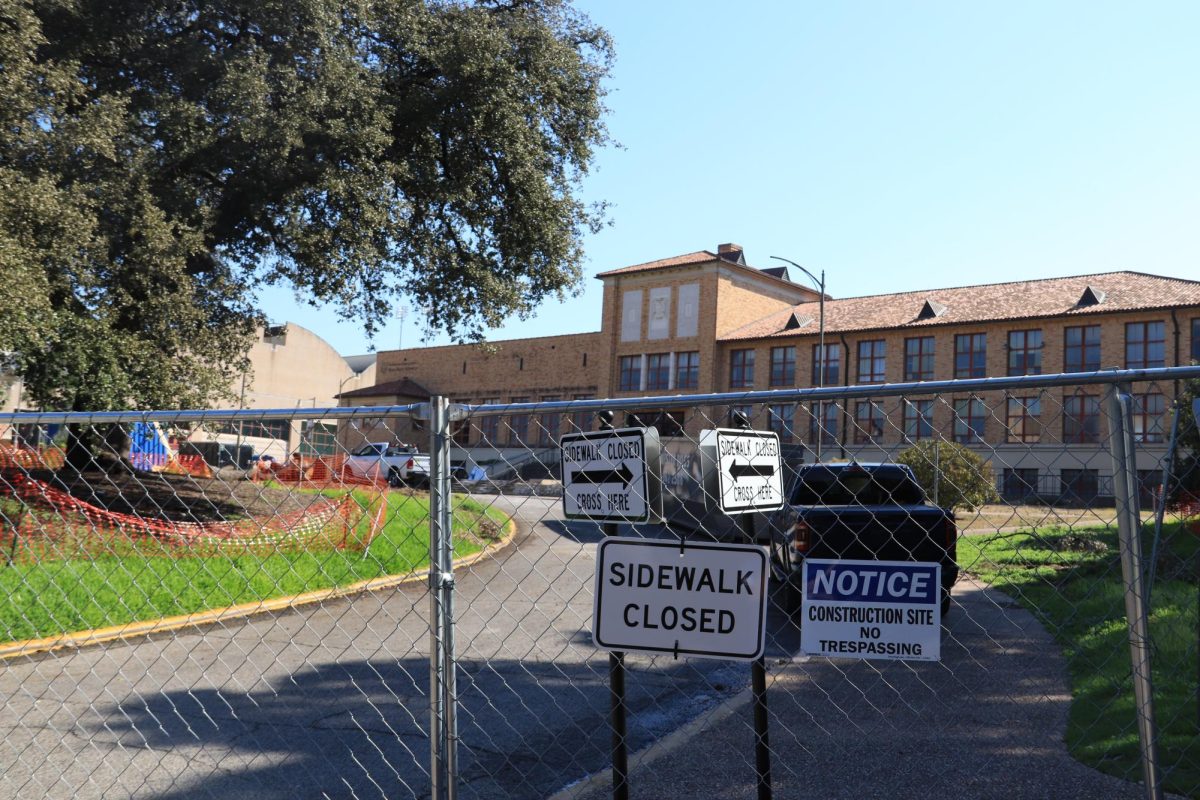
x=1071, y=580
x=71, y=594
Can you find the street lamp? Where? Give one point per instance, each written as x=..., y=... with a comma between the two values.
x=821, y=355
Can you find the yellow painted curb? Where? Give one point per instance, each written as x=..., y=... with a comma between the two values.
x=129, y=630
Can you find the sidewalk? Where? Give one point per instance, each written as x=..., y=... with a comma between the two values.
x=986, y=722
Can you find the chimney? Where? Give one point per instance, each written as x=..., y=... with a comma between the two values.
x=731, y=252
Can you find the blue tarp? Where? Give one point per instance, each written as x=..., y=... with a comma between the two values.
x=148, y=447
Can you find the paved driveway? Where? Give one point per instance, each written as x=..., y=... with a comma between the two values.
x=331, y=701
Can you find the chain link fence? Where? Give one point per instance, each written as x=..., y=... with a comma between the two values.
x=389, y=602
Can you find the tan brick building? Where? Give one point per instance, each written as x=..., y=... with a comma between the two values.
x=706, y=322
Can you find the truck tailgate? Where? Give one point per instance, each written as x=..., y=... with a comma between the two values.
x=881, y=533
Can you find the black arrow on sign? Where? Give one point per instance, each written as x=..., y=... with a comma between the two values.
x=737, y=470
x=623, y=476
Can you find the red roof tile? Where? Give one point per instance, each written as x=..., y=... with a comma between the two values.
x=698, y=257
x=1123, y=291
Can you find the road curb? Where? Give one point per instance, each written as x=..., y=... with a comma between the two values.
x=78, y=639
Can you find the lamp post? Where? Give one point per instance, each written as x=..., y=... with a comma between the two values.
x=821, y=355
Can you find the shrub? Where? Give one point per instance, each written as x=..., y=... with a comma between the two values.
x=965, y=480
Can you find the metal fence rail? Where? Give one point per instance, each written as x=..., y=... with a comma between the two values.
x=389, y=602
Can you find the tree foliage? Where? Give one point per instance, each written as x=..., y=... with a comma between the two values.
x=160, y=161
x=953, y=474
x=1185, y=478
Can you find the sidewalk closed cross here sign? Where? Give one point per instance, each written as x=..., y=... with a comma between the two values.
x=707, y=600
x=744, y=469
x=611, y=476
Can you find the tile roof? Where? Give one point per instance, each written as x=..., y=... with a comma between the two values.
x=404, y=387
x=1047, y=297
x=698, y=257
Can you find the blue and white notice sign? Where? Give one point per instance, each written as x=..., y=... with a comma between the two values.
x=872, y=609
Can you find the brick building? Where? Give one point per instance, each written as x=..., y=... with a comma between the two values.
x=706, y=322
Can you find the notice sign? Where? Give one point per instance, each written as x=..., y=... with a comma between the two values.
x=709, y=600
x=872, y=609
x=611, y=476
x=744, y=469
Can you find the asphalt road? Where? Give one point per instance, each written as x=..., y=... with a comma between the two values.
x=331, y=701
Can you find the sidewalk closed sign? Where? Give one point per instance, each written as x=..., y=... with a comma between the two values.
x=872, y=609
x=708, y=600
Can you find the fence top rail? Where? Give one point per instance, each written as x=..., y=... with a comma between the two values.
x=873, y=390
x=200, y=415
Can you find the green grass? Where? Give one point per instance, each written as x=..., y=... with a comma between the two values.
x=71, y=594
x=1071, y=580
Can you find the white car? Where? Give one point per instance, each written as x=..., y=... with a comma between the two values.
x=400, y=465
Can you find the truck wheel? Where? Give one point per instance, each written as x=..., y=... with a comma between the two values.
x=394, y=478
x=945, y=602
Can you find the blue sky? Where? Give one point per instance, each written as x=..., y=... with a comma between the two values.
x=897, y=146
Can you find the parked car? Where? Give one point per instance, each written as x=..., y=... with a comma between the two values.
x=400, y=465
x=874, y=512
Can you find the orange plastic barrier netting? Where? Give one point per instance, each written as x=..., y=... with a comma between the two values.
x=315, y=470
x=55, y=524
x=13, y=457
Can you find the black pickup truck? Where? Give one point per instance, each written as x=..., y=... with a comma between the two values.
x=860, y=511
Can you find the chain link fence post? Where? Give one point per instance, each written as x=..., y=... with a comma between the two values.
x=1129, y=527
x=443, y=730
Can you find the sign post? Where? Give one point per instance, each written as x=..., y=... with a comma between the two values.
x=611, y=476
x=744, y=473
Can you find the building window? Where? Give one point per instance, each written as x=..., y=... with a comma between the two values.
x=1081, y=418
x=1025, y=352
x=1024, y=414
x=582, y=420
x=1019, y=484
x=658, y=371
x=832, y=364
x=868, y=422
x=918, y=359
x=1148, y=410
x=741, y=369
x=1079, y=486
x=970, y=355
x=918, y=419
x=460, y=430
x=548, y=425
x=872, y=361
x=318, y=438
x=267, y=428
x=969, y=420
x=783, y=366
x=518, y=424
x=1145, y=345
x=822, y=424
x=780, y=421
x=1196, y=340
x=629, y=379
x=1081, y=348
x=489, y=426
x=687, y=370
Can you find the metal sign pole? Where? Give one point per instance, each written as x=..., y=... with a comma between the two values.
x=758, y=676
x=616, y=682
